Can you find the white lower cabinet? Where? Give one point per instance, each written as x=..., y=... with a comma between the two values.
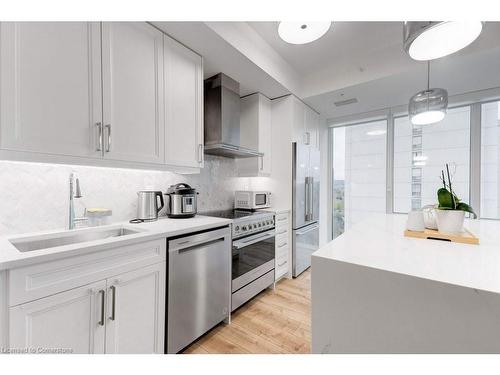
x=65, y=321
x=111, y=301
x=283, y=245
x=133, y=323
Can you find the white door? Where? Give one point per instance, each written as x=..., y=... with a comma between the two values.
x=72, y=320
x=50, y=87
x=135, y=321
x=132, y=75
x=184, y=106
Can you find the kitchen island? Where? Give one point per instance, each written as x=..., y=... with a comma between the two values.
x=376, y=291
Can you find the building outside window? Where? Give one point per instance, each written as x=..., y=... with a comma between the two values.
x=359, y=163
x=490, y=160
x=421, y=152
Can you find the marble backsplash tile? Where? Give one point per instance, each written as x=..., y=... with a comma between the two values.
x=34, y=196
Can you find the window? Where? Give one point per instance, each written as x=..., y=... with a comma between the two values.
x=420, y=153
x=490, y=160
x=359, y=163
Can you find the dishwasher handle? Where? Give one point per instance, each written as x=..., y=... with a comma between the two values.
x=197, y=240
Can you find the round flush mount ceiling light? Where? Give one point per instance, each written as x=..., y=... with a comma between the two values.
x=432, y=40
x=302, y=32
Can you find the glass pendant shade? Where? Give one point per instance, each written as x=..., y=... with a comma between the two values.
x=428, y=106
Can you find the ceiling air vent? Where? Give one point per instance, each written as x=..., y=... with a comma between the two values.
x=346, y=102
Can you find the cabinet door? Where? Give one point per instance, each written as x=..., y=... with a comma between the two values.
x=184, y=106
x=50, y=87
x=132, y=73
x=312, y=127
x=265, y=135
x=72, y=320
x=299, y=127
x=135, y=321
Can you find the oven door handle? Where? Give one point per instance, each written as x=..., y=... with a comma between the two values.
x=251, y=240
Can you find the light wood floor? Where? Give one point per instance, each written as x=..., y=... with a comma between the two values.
x=275, y=321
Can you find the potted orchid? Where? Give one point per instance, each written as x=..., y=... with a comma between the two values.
x=450, y=211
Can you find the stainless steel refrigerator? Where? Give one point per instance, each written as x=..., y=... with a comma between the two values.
x=306, y=181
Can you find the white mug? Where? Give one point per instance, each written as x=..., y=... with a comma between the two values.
x=415, y=221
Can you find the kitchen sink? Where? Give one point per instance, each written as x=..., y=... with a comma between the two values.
x=68, y=238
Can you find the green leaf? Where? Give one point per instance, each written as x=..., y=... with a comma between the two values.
x=444, y=198
x=465, y=207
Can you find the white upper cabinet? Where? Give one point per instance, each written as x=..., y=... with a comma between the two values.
x=312, y=127
x=114, y=94
x=133, y=105
x=305, y=124
x=256, y=134
x=184, y=105
x=50, y=87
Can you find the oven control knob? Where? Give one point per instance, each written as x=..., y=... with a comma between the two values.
x=237, y=228
x=244, y=227
x=254, y=226
x=260, y=225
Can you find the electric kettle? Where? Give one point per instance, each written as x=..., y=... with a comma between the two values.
x=148, y=205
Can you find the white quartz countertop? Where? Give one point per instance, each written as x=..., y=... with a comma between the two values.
x=378, y=242
x=164, y=227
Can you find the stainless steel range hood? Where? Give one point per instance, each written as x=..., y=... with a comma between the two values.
x=222, y=118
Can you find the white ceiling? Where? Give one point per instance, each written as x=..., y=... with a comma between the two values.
x=351, y=53
x=344, y=45
x=362, y=59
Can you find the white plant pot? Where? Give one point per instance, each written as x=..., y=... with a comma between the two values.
x=450, y=221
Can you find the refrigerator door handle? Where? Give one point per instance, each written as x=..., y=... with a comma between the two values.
x=307, y=200
x=307, y=230
x=311, y=198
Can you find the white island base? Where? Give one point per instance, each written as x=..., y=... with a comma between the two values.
x=375, y=291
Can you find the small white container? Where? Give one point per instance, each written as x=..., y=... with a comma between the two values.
x=415, y=221
x=450, y=221
x=98, y=216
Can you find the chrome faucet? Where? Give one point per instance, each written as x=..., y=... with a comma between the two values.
x=74, y=192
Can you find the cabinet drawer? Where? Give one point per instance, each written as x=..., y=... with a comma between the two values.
x=281, y=219
x=44, y=279
x=281, y=231
x=281, y=267
x=282, y=242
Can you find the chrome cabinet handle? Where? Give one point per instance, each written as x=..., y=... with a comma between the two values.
x=108, y=143
x=99, y=142
x=200, y=153
x=282, y=232
x=283, y=218
x=283, y=244
x=102, y=293
x=113, y=301
x=281, y=264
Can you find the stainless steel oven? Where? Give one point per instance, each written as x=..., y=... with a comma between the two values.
x=252, y=266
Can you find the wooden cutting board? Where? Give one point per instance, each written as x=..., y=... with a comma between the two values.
x=431, y=234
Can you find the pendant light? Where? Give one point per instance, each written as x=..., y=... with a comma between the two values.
x=428, y=106
x=431, y=40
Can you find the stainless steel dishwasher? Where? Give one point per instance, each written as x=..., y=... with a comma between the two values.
x=199, y=285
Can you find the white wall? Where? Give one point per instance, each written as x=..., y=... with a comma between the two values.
x=35, y=196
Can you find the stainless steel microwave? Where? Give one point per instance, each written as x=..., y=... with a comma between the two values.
x=251, y=200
